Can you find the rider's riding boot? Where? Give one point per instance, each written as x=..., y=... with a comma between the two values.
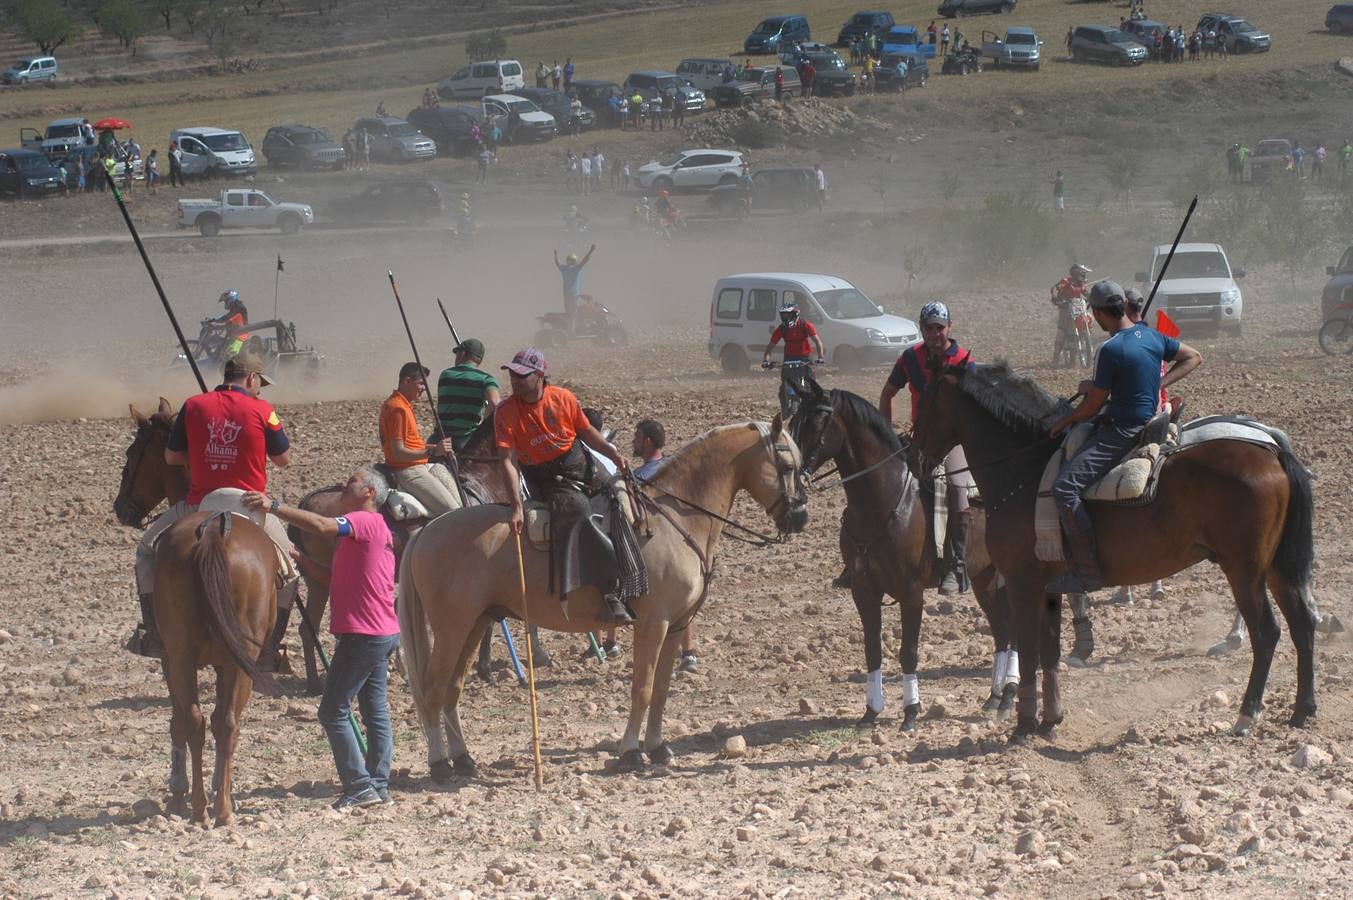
x=955, y=578
x=614, y=612
x=146, y=640
x=1082, y=574
x=273, y=659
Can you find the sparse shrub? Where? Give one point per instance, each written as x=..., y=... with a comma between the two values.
x=486, y=45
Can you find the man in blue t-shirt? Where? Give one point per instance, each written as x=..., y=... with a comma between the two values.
x=1126, y=387
x=571, y=269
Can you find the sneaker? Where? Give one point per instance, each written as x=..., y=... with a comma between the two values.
x=611, y=649
x=367, y=796
x=384, y=794
x=689, y=662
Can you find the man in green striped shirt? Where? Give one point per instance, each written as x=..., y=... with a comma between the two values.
x=465, y=392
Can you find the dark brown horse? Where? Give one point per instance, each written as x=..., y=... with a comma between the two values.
x=887, y=545
x=1246, y=508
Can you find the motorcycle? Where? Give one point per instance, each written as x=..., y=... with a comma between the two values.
x=794, y=377
x=1075, y=345
x=591, y=322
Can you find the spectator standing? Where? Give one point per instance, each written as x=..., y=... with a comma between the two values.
x=153, y=172
x=868, y=74
x=729, y=73
x=1345, y=151
x=569, y=69
x=932, y=34
x=1318, y=160
x=1059, y=192
x=542, y=74
x=598, y=168
x=556, y=75
x=1298, y=161
x=584, y=174
x=109, y=164
x=364, y=149
x=625, y=173
x=944, y=40
x=79, y=172
x=175, y=165
x=806, y=78
x=495, y=138
x=570, y=171
x=678, y=110
x=1221, y=46
x=349, y=154
x=1243, y=153
x=820, y=179
x=779, y=83
x=485, y=157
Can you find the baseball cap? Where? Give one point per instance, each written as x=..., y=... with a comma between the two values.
x=528, y=361
x=244, y=363
x=472, y=346
x=934, y=311
x=1106, y=293
x=1134, y=298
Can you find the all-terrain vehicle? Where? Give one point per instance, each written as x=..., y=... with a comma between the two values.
x=272, y=339
x=592, y=322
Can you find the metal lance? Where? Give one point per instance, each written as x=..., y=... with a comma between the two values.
x=155, y=280
x=455, y=337
x=1178, y=236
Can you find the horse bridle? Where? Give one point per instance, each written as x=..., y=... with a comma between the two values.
x=785, y=474
x=133, y=463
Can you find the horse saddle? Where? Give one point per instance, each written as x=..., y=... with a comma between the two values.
x=229, y=500
x=538, y=528
x=598, y=550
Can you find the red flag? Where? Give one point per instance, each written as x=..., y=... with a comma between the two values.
x=1165, y=325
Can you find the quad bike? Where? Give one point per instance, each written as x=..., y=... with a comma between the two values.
x=592, y=322
x=272, y=339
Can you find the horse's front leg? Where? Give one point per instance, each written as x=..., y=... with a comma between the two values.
x=1026, y=607
x=232, y=693
x=650, y=633
x=316, y=599
x=869, y=604
x=911, y=605
x=658, y=751
x=1050, y=654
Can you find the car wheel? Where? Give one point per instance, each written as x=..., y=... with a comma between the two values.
x=209, y=226
x=733, y=361
x=1234, y=331
x=727, y=180
x=1077, y=55
x=850, y=91
x=662, y=183
x=1007, y=8
x=290, y=223
x=1335, y=28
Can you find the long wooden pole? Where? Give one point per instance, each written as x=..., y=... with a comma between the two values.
x=530, y=668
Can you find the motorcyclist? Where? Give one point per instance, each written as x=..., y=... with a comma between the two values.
x=667, y=212
x=1071, y=287
x=801, y=339
x=232, y=321
x=746, y=188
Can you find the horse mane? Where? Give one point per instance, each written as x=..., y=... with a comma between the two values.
x=866, y=414
x=482, y=434
x=690, y=455
x=1014, y=400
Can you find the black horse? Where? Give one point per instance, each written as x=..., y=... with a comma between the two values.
x=887, y=543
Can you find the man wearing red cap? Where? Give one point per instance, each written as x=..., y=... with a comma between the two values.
x=537, y=431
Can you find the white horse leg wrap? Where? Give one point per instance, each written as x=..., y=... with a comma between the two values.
x=873, y=692
x=436, y=744
x=998, y=672
x=911, y=690
x=1012, y=667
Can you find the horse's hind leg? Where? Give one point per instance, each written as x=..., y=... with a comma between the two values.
x=911, y=605
x=444, y=661
x=542, y=656
x=1252, y=601
x=658, y=751
x=316, y=599
x=187, y=734
x=232, y=692
x=484, y=666
x=1049, y=654
x=1298, y=608
x=869, y=604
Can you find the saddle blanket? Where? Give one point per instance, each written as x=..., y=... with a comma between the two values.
x=1132, y=481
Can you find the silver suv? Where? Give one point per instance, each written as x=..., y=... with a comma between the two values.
x=1106, y=44
x=691, y=169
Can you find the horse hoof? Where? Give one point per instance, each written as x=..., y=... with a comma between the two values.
x=909, y=714
x=992, y=704
x=1076, y=662
x=868, y=719
x=631, y=761
x=441, y=771
x=1299, y=717
x=661, y=755
x=543, y=660
x=1018, y=738
x=1048, y=729
x=464, y=766
x=484, y=674
x=1244, y=725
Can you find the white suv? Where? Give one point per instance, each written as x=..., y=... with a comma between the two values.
x=691, y=169
x=1199, y=291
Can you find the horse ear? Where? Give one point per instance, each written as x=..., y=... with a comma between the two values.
x=165, y=409
x=138, y=417
x=776, y=426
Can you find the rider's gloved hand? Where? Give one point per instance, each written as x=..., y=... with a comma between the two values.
x=767, y=364
x=819, y=361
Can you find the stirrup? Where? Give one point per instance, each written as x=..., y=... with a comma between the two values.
x=614, y=612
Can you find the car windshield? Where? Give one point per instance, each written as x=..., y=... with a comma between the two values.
x=318, y=136
x=1198, y=264
x=22, y=65
x=847, y=303
x=669, y=161
x=29, y=163
x=232, y=141
x=827, y=61
x=520, y=106
x=1240, y=26
x=767, y=27
x=63, y=131
x=401, y=129
x=1020, y=39
x=1118, y=37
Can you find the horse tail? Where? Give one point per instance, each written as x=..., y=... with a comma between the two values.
x=214, y=571
x=413, y=629
x=1295, y=557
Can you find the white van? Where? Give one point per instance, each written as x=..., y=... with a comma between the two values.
x=490, y=76
x=706, y=74
x=214, y=151
x=855, y=332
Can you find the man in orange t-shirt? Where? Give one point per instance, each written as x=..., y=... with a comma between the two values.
x=537, y=430
x=406, y=453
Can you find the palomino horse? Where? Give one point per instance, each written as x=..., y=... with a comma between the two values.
x=886, y=542
x=460, y=573
x=481, y=477
x=1241, y=505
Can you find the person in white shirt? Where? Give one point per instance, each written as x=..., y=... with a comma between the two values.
x=821, y=178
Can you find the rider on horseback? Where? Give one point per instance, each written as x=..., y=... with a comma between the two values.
x=1071, y=287
x=800, y=339
x=1128, y=381
x=225, y=438
x=406, y=453
x=915, y=368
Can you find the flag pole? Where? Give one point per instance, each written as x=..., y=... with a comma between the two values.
x=276, y=282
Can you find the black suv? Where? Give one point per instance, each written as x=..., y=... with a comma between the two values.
x=395, y=201
x=27, y=173
x=1339, y=19
x=780, y=187
x=559, y=105
x=951, y=8
x=302, y=145
x=863, y=23
x=450, y=127
x=596, y=96
x=833, y=75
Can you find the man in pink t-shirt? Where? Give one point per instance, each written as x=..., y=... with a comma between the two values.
x=362, y=617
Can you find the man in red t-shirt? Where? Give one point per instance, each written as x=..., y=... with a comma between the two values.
x=800, y=339
x=225, y=438
x=1071, y=287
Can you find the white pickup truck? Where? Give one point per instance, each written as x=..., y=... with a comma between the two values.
x=243, y=208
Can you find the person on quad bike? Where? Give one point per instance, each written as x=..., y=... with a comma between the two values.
x=1071, y=287
x=571, y=269
x=801, y=339
x=233, y=320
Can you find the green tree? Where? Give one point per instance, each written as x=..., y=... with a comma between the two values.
x=43, y=22
x=122, y=19
x=486, y=45
x=165, y=9
x=1293, y=233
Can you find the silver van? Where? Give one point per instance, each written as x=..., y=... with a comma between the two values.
x=31, y=68
x=214, y=152
x=855, y=332
x=706, y=74
x=477, y=80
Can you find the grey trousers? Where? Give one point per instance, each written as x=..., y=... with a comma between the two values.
x=1104, y=449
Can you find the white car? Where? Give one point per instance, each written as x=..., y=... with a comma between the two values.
x=1199, y=291
x=691, y=169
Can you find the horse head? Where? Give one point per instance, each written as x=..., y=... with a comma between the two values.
x=778, y=482
x=816, y=428
x=146, y=477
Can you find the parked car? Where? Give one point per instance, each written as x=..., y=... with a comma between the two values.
x=242, y=208
x=952, y=8
x=705, y=74
x=778, y=187
x=651, y=83
x=690, y=169
x=1199, y=290
x=1145, y=32
x=776, y=32
x=960, y=61
x=302, y=145
x=1106, y=44
x=489, y=76
x=1339, y=289
x=906, y=40
x=1020, y=48
x=833, y=75
x=1240, y=36
x=756, y=84
x=61, y=136
x=29, y=69
x=449, y=127
x=864, y=23
x=394, y=140
x=519, y=118
x=886, y=75
x=1339, y=19
x=560, y=106
x=1270, y=157
x=408, y=200
x=27, y=173
x=598, y=96
x=855, y=332
x=214, y=152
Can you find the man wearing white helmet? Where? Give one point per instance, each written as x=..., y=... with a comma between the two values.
x=1070, y=288
x=918, y=365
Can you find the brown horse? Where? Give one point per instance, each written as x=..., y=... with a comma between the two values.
x=1238, y=504
x=887, y=545
x=146, y=478
x=460, y=573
